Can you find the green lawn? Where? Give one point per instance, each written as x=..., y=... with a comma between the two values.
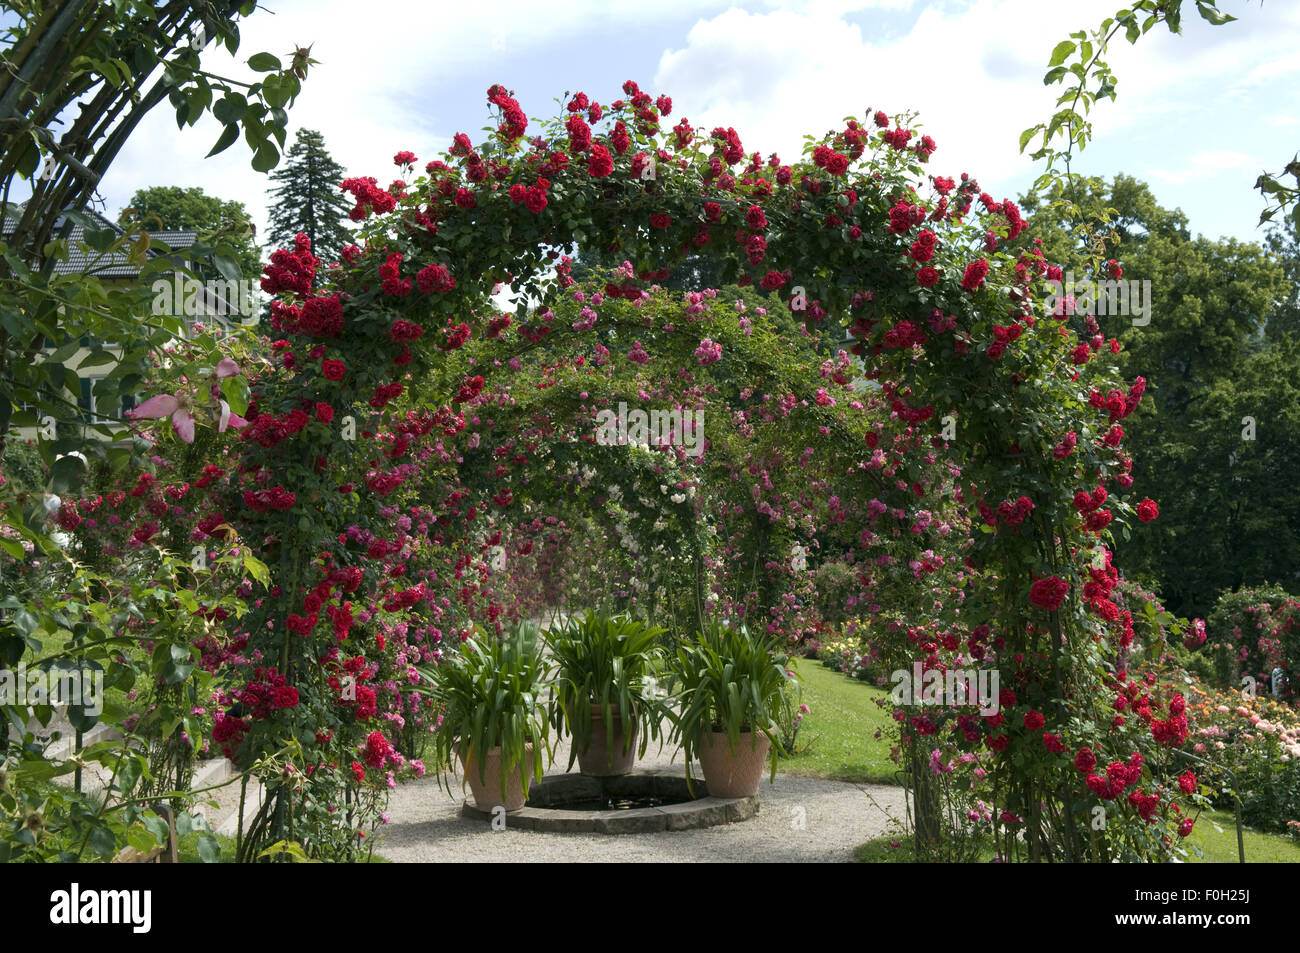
x=1215, y=834
x=837, y=739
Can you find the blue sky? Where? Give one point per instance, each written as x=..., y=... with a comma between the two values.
x=1198, y=116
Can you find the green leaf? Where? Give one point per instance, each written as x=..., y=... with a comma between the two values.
x=235, y=391
x=179, y=665
x=227, y=265
x=209, y=849
x=1212, y=14
x=100, y=238
x=274, y=92
x=65, y=471
x=141, y=839
x=97, y=359
x=225, y=140
x=230, y=108
x=266, y=157
x=264, y=62
x=1061, y=51
x=102, y=842
x=1027, y=135
x=81, y=719
x=257, y=569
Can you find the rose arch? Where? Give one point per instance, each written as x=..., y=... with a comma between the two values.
x=406, y=434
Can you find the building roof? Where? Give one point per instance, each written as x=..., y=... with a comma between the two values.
x=80, y=259
x=84, y=260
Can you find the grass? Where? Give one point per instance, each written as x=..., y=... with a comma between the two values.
x=187, y=849
x=837, y=738
x=837, y=741
x=1215, y=834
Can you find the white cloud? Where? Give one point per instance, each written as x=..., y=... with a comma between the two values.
x=389, y=78
x=1282, y=121
x=775, y=76
x=393, y=77
x=1206, y=165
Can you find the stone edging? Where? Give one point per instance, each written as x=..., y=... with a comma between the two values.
x=689, y=815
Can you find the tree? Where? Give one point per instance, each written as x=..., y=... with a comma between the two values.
x=1284, y=243
x=115, y=64
x=1232, y=515
x=307, y=198
x=1208, y=308
x=171, y=208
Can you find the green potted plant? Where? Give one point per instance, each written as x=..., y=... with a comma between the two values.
x=731, y=686
x=493, y=716
x=607, y=694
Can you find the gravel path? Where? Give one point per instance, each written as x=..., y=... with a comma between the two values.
x=425, y=826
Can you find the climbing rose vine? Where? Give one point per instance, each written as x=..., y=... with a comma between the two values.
x=980, y=465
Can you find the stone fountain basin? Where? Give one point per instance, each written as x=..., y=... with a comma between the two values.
x=558, y=803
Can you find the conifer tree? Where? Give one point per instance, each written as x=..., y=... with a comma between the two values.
x=306, y=198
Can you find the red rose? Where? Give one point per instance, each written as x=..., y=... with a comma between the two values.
x=1187, y=782
x=1147, y=510
x=437, y=277
x=469, y=389
x=333, y=370
x=1034, y=720
x=536, y=200
x=600, y=164
x=378, y=749
x=1085, y=760
x=975, y=274
x=619, y=138
x=661, y=220
x=927, y=276
x=1048, y=593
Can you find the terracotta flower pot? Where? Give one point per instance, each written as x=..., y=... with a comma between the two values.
x=487, y=792
x=599, y=762
x=729, y=774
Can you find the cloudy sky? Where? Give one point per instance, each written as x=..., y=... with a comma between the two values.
x=1198, y=116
